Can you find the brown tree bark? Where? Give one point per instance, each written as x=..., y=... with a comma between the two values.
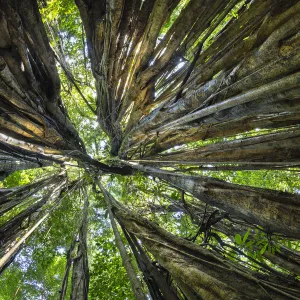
x=31, y=107
x=274, y=211
x=14, y=233
x=10, y=199
x=80, y=272
x=202, y=217
x=14, y=227
x=271, y=148
x=200, y=272
x=134, y=281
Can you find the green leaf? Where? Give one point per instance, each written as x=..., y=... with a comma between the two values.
x=249, y=245
x=270, y=248
x=238, y=239
x=246, y=236
x=263, y=249
x=259, y=256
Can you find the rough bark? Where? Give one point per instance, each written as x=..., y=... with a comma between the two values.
x=10, y=199
x=31, y=107
x=202, y=217
x=80, y=273
x=64, y=286
x=134, y=281
x=238, y=74
x=274, y=211
x=9, y=165
x=272, y=57
x=272, y=148
x=15, y=232
x=16, y=226
x=32, y=112
x=221, y=129
x=203, y=273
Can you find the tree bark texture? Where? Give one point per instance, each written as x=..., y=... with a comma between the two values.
x=134, y=281
x=208, y=219
x=274, y=211
x=31, y=107
x=202, y=273
x=80, y=272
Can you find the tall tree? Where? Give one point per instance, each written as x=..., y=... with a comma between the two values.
x=80, y=273
x=135, y=283
x=172, y=90
x=15, y=231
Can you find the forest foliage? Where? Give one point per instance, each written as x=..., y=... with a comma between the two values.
x=190, y=123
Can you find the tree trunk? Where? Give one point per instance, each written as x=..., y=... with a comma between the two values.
x=202, y=273
x=206, y=131
x=10, y=255
x=283, y=257
x=64, y=286
x=15, y=232
x=21, y=194
x=134, y=281
x=252, y=63
x=13, y=228
x=274, y=211
x=272, y=148
x=80, y=273
x=9, y=165
x=30, y=84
